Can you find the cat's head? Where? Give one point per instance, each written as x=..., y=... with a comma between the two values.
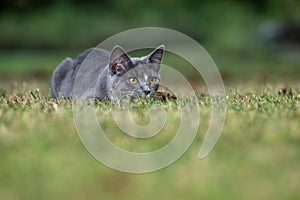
x=134, y=77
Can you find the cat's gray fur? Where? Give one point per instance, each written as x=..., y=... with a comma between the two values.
x=112, y=81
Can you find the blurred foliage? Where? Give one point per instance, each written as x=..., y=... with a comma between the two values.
x=239, y=34
x=80, y=24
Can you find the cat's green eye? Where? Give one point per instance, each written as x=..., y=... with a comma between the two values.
x=132, y=80
x=152, y=80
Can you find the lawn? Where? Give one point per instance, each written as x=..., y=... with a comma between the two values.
x=256, y=157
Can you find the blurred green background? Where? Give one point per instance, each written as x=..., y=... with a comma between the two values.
x=253, y=42
x=249, y=40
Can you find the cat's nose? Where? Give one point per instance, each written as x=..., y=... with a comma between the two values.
x=146, y=89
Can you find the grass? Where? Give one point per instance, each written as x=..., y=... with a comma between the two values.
x=257, y=156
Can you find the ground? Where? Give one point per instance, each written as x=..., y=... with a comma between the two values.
x=257, y=155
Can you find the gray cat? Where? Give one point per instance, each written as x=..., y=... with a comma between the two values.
x=122, y=76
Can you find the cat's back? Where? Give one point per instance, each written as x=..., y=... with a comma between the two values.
x=65, y=74
x=62, y=78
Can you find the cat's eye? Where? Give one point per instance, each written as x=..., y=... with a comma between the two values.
x=133, y=80
x=152, y=80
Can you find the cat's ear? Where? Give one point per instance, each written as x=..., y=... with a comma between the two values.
x=118, y=61
x=156, y=55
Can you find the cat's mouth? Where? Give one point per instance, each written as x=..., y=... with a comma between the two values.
x=143, y=95
x=146, y=93
x=161, y=95
x=138, y=94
